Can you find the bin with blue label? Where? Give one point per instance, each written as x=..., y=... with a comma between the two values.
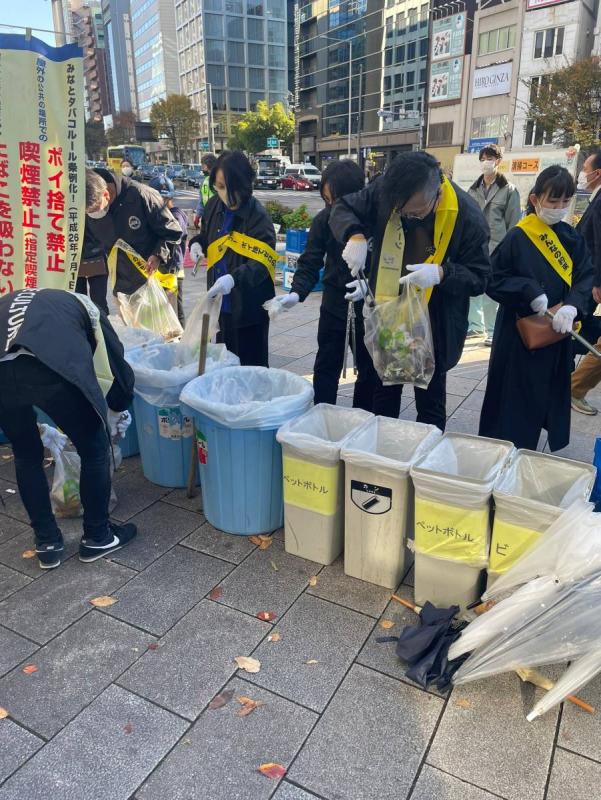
x=237, y=412
x=164, y=430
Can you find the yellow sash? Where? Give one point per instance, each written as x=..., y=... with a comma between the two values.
x=245, y=246
x=546, y=240
x=393, y=245
x=102, y=367
x=167, y=280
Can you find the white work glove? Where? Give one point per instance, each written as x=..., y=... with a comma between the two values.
x=357, y=290
x=540, y=304
x=355, y=255
x=52, y=438
x=119, y=422
x=196, y=251
x=288, y=301
x=422, y=275
x=563, y=321
x=223, y=285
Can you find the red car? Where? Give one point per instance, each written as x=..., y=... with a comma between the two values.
x=295, y=182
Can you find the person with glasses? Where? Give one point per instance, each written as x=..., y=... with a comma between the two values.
x=425, y=231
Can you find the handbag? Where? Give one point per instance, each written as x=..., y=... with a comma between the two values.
x=537, y=332
x=92, y=267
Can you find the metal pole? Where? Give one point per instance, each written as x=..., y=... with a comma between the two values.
x=359, y=159
x=210, y=117
x=350, y=94
x=59, y=23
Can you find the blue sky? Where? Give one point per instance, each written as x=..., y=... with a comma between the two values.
x=28, y=13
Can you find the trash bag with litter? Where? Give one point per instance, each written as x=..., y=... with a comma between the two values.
x=149, y=307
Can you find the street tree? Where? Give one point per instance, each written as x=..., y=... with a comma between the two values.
x=123, y=130
x=175, y=121
x=568, y=103
x=95, y=140
x=255, y=127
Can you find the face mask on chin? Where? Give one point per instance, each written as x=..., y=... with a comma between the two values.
x=127, y=172
x=551, y=216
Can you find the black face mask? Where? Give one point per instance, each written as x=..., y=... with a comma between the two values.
x=412, y=223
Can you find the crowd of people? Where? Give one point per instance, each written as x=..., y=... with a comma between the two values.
x=525, y=279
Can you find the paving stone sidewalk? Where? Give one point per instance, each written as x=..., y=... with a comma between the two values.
x=118, y=707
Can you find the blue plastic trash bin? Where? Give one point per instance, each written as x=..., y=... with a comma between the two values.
x=164, y=431
x=237, y=412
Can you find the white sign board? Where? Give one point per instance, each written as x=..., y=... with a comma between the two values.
x=490, y=81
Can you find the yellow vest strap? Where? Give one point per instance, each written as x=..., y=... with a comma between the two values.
x=245, y=246
x=167, y=280
x=547, y=242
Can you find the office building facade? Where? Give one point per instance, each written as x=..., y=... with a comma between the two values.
x=120, y=56
x=86, y=27
x=154, y=52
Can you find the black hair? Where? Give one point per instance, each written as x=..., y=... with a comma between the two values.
x=237, y=174
x=342, y=177
x=208, y=161
x=127, y=161
x=409, y=173
x=95, y=188
x=106, y=175
x=596, y=158
x=555, y=182
x=491, y=150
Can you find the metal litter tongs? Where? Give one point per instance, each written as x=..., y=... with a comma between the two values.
x=351, y=329
x=580, y=339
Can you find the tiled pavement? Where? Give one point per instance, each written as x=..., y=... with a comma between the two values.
x=119, y=705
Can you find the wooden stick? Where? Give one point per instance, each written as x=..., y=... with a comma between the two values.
x=407, y=603
x=202, y=363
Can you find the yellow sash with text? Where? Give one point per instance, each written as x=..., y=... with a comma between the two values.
x=393, y=245
x=547, y=242
x=245, y=246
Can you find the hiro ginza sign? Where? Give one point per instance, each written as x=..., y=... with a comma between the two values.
x=490, y=81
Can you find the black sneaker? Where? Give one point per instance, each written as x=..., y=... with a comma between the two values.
x=117, y=537
x=49, y=553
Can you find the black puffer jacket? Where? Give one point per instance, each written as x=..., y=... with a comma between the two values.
x=252, y=282
x=138, y=215
x=55, y=326
x=466, y=263
x=321, y=245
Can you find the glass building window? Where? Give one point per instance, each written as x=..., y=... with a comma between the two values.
x=218, y=98
x=399, y=55
x=277, y=80
x=277, y=56
x=237, y=101
x=399, y=79
x=235, y=52
x=496, y=40
x=276, y=32
x=411, y=51
x=388, y=57
x=489, y=127
x=255, y=29
x=254, y=98
x=276, y=8
x=214, y=50
x=256, y=55
x=237, y=77
x=254, y=8
x=548, y=43
x=423, y=48
x=256, y=78
x=410, y=79
x=233, y=6
x=235, y=27
x=214, y=25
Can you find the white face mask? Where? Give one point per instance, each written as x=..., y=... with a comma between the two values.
x=584, y=179
x=127, y=172
x=551, y=216
x=488, y=167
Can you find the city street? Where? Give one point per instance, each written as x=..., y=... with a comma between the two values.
x=187, y=198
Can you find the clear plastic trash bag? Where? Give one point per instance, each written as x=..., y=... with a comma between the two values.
x=130, y=337
x=64, y=495
x=193, y=329
x=149, y=307
x=398, y=337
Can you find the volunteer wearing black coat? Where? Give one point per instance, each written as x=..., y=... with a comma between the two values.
x=338, y=179
x=56, y=349
x=120, y=208
x=415, y=215
x=238, y=238
x=528, y=390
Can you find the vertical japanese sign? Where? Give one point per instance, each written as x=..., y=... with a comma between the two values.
x=42, y=164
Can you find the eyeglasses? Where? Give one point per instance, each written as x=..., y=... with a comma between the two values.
x=422, y=214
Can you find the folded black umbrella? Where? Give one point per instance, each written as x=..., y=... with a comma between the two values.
x=425, y=646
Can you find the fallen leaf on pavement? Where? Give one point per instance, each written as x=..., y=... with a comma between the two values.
x=128, y=728
x=28, y=554
x=248, y=706
x=216, y=593
x=312, y=661
x=274, y=566
x=3, y=713
x=386, y=624
x=463, y=703
x=248, y=664
x=103, y=601
x=254, y=540
x=274, y=637
x=30, y=669
x=313, y=581
x=221, y=699
x=273, y=771
x=265, y=542
x=266, y=616
x=154, y=646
